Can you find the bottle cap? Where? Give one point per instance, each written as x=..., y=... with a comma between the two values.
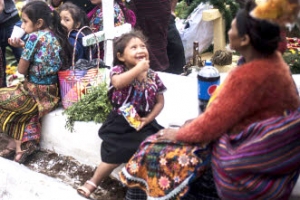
x=208, y=63
x=208, y=70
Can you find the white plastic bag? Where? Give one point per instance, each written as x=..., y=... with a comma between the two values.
x=198, y=30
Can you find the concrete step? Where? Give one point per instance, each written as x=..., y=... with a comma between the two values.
x=84, y=144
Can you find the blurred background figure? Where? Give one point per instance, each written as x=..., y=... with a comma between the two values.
x=9, y=17
x=85, y=5
x=175, y=49
x=152, y=18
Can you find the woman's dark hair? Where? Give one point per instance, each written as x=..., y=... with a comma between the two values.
x=36, y=10
x=78, y=15
x=121, y=43
x=264, y=35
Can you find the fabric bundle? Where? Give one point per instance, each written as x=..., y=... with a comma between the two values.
x=261, y=162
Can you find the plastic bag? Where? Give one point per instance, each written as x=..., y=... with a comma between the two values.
x=130, y=114
x=83, y=64
x=196, y=30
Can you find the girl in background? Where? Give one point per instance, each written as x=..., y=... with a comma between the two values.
x=96, y=19
x=74, y=18
x=22, y=106
x=131, y=82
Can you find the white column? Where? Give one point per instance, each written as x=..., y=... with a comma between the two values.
x=108, y=28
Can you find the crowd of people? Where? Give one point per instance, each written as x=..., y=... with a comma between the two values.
x=160, y=162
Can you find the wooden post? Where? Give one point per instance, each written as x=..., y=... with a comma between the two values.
x=219, y=27
x=108, y=28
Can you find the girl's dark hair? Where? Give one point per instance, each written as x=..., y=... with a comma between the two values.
x=264, y=35
x=121, y=43
x=36, y=10
x=78, y=15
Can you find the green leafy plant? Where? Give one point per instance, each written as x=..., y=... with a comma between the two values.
x=228, y=9
x=94, y=106
x=292, y=58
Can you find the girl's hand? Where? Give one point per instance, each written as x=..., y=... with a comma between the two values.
x=167, y=134
x=143, y=65
x=142, y=77
x=144, y=122
x=16, y=42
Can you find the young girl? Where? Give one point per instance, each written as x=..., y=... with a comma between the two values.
x=132, y=81
x=96, y=19
x=23, y=105
x=74, y=18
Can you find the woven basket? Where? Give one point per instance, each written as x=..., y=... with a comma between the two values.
x=74, y=84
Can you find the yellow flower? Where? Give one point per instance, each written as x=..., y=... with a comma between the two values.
x=11, y=69
x=293, y=51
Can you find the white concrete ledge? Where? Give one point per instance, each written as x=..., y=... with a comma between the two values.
x=84, y=144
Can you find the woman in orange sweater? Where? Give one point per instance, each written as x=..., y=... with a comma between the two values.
x=261, y=88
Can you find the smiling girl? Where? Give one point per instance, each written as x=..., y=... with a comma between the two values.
x=131, y=82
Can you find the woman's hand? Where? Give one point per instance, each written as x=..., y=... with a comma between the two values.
x=16, y=42
x=167, y=134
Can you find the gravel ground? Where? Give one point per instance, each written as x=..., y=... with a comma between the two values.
x=71, y=172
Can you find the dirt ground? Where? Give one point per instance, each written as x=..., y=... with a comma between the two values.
x=71, y=172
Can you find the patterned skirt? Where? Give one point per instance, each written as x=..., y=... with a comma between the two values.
x=261, y=162
x=2, y=69
x=21, y=108
x=164, y=169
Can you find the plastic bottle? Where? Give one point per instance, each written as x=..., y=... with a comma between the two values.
x=195, y=53
x=208, y=81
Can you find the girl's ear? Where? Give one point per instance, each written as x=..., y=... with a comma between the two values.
x=120, y=57
x=77, y=25
x=245, y=40
x=39, y=23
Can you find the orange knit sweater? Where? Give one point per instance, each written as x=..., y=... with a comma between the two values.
x=254, y=91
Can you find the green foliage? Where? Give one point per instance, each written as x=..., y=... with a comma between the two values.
x=94, y=106
x=181, y=10
x=10, y=58
x=292, y=58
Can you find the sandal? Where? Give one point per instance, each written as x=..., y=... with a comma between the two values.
x=7, y=153
x=84, y=191
x=30, y=148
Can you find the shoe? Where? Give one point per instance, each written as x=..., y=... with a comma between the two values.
x=30, y=148
x=84, y=191
x=7, y=153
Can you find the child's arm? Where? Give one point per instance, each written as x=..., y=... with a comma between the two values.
x=122, y=80
x=160, y=101
x=23, y=66
x=1, y=5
